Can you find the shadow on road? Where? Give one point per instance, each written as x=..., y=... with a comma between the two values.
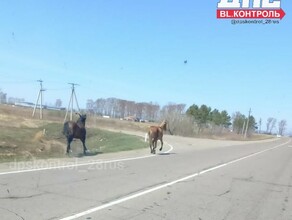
x=165, y=154
x=88, y=154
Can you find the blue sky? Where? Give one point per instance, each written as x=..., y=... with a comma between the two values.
x=135, y=50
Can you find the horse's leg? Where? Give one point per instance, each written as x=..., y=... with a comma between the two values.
x=154, y=146
x=161, y=142
x=69, y=140
x=84, y=147
x=150, y=144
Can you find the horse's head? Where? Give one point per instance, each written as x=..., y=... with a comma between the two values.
x=163, y=124
x=82, y=118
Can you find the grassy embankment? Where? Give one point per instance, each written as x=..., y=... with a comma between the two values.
x=23, y=137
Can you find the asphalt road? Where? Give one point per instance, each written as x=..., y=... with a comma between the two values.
x=193, y=179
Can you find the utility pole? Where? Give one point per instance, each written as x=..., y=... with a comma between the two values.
x=71, y=102
x=243, y=127
x=39, y=98
x=247, y=124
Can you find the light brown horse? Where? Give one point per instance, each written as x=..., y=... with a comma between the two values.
x=154, y=134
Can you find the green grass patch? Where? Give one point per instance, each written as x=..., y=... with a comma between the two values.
x=106, y=141
x=47, y=141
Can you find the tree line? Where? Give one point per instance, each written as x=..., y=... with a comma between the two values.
x=193, y=120
x=120, y=108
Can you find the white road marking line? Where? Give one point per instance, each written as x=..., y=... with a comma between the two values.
x=118, y=201
x=171, y=149
x=81, y=164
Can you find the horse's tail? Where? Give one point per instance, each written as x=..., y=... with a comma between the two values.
x=146, y=136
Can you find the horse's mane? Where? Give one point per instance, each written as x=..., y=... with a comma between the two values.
x=163, y=125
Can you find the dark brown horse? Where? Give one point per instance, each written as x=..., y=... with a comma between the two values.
x=76, y=130
x=154, y=134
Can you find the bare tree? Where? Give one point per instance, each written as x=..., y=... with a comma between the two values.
x=172, y=107
x=130, y=108
x=271, y=124
x=90, y=106
x=282, y=127
x=100, y=106
x=121, y=107
x=140, y=109
x=238, y=123
x=269, y=121
x=174, y=114
x=152, y=111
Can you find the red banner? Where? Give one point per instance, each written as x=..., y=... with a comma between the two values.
x=250, y=14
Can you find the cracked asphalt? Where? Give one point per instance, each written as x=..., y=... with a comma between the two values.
x=257, y=187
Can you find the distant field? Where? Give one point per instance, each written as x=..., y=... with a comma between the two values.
x=24, y=137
